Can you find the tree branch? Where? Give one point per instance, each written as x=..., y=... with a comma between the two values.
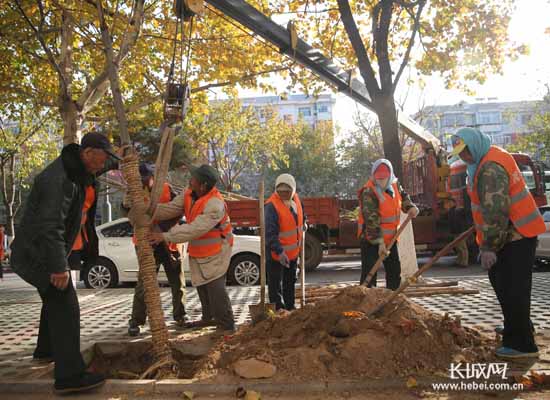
x=406, y=4
x=415, y=29
x=112, y=70
x=45, y=47
x=239, y=79
x=359, y=47
x=66, y=56
x=97, y=88
x=382, y=54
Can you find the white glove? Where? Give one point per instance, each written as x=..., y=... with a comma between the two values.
x=488, y=259
x=413, y=212
x=382, y=250
x=283, y=260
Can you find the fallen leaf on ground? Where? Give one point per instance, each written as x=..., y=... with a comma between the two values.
x=353, y=314
x=188, y=395
x=252, y=395
x=524, y=380
x=411, y=382
x=407, y=326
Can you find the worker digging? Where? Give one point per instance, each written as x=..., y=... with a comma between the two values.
x=507, y=222
x=381, y=202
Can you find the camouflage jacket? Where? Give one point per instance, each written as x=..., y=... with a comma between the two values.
x=495, y=201
x=372, y=216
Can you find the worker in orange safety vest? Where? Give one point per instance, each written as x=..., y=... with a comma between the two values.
x=381, y=201
x=209, y=236
x=166, y=254
x=507, y=223
x=284, y=227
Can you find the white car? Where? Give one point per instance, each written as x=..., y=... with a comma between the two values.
x=118, y=262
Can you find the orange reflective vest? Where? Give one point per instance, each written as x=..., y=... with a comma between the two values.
x=523, y=212
x=1, y=247
x=88, y=202
x=165, y=197
x=456, y=183
x=210, y=243
x=290, y=230
x=389, y=209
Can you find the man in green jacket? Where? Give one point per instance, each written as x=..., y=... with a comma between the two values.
x=53, y=221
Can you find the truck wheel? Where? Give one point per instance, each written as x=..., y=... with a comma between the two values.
x=314, y=252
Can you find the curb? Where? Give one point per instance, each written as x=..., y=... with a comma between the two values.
x=170, y=386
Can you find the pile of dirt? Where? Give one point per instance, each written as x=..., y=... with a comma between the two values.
x=334, y=338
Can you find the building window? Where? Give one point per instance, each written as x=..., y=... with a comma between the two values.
x=304, y=111
x=492, y=117
x=469, y=119
x=525, y=118
x=323, y=108
x=288, y=118
x=453, y=120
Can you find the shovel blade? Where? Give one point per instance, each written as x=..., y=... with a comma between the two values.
x=259, y=312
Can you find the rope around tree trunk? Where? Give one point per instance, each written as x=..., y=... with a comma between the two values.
x=147, y=267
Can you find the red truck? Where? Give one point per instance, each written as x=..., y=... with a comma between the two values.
x=333, y=222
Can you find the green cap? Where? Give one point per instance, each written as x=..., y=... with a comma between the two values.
x=205, y=174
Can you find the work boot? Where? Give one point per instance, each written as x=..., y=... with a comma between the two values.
x=226, y=330
x=508, y=353
x=182, y=322
x=133, y=329
x=42, y=357
x=202, y=323
x=80, y=383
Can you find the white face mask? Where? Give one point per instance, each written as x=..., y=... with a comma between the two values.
x=382, y=182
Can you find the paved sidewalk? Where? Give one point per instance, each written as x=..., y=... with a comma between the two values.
x=104, y=316
x=104, y=313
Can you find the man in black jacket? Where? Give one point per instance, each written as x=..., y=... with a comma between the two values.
x=59, y=212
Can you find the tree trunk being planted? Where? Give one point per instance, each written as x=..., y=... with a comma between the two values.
x=147, y=265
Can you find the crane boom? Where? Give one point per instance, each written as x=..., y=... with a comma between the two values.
x=315, y=61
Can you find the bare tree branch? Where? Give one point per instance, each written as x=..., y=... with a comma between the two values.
x=415, y=29
x=359, y=47
x=382, y=53
x=66, y=56
x=112, y=70
x=45, y=47
x=406, y=4
x=97, y=88
x=239, y=79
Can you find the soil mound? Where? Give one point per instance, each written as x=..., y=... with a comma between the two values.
x=333, y=338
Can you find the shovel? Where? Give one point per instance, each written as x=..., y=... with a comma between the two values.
x=381, y=258
x=463, y=236
x=259, y=312
x=303, y=271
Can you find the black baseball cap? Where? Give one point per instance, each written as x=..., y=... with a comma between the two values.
x=205, y=173
x=96, y=140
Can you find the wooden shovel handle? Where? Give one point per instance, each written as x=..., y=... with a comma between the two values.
x=381, y=258
x=463, y=236
x=262, y=242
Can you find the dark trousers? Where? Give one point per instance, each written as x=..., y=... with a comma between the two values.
x=511, y=278
x=392, y=265
x=215, y=303
x=59, y=331
x=172, y=268
x=280, y=283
